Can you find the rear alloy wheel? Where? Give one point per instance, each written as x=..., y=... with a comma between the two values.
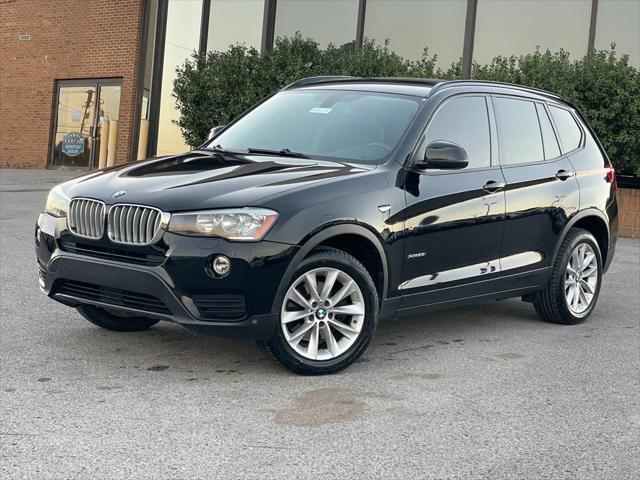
x=573, y=289
x=115, y=322
x=327, y=316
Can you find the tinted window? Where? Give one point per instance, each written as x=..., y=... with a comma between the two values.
x=570, y=133
x=363, y=127
x=551, y=148
x=464, y=121
x=518, y=131
x=325, y=21
x=408, y=26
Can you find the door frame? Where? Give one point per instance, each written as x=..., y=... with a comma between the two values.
x=96, y=83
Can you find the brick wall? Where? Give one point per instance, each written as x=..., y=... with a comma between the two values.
x=70, y=39
x=629, y=212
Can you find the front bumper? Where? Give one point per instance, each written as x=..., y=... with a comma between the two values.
x=171, y=283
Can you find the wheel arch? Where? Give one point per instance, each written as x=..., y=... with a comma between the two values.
x=595, y=222
x=330, y=236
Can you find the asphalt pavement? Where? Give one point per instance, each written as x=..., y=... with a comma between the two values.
x=485, y=391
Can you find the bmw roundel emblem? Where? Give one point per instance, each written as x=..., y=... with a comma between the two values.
x=119, y=193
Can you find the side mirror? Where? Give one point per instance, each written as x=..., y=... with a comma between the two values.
x=214, y=131
x=444, y=155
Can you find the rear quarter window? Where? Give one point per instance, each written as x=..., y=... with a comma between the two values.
x=568, y=130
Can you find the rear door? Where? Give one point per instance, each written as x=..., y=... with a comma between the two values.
x=541, y=191
x=454, y=218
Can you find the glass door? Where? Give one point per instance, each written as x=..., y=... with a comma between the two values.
x=85, y=117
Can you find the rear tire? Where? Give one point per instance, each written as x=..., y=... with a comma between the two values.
x=572, y=291
x=109, y=321
x=329, y=333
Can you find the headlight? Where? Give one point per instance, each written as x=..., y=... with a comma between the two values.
x=57, y=202
x=243, y=224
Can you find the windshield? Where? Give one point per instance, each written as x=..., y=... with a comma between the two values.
x=352, y=126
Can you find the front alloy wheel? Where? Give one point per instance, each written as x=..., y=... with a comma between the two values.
x=322, y=314
x=327, y=316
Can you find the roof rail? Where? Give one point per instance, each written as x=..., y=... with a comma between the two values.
x=453, y=83
x=317, y=79
x=303, y=82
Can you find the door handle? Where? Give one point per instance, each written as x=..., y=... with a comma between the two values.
x=564, y=174
x=493, y=186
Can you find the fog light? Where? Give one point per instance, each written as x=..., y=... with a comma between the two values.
x=38, y=236
x=221, y=266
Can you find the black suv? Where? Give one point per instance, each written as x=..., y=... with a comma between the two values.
x=338, y=202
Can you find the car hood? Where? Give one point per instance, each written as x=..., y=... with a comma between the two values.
x=201, y=180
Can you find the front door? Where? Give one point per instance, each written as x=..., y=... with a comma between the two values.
x=454, y=218
x=83, y=108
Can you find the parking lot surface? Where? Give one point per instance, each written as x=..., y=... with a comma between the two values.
x=486, y=391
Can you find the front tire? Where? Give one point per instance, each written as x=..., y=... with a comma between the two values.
x=109, y=321
x=573, y=289
x=327, y=316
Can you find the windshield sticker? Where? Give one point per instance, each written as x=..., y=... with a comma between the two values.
x=320, y=110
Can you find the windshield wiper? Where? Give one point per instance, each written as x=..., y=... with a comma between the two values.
x=285, y=152
x=220, y=149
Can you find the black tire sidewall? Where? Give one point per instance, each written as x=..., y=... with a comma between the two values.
x=559, y=287
x=292, y=359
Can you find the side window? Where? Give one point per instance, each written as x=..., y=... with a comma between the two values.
x=549, y=140
x=464, y=121
x=519, y=134
x=568, y=130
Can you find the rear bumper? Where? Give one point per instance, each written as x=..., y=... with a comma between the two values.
x=169, y=291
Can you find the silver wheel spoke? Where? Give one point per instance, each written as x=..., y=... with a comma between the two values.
x=300, y=333
x=312, y=285
x=332, y=345
x=587, y=287
x=297, y=297
x=345, y=330
x=314, y=339
x=589, y=271
x=354, y=309
x=582, y=298
x=345, y=291
x=329, y=282
x=587, y=260
x=292, y=316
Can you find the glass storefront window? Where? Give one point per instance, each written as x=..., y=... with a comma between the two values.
x=411, y=25
x=182, y=39
x=325, y=21
x=235, y=21
x=505, y=27
x=143, y=132
x=618, y=22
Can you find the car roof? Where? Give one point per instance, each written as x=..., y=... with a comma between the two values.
x=424, y=87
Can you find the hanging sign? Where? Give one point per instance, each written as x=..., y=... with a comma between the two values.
x=73, y=144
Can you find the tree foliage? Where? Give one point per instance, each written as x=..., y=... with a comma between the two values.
x=213, y=89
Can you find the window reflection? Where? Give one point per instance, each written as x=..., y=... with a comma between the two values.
x=618, y=22
x=143, y=133
x=182, y=39
x=505, y=27
x=235, y=21
x=325, y=21
x=411, y=25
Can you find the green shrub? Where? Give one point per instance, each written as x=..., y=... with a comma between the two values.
x=214, y=88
